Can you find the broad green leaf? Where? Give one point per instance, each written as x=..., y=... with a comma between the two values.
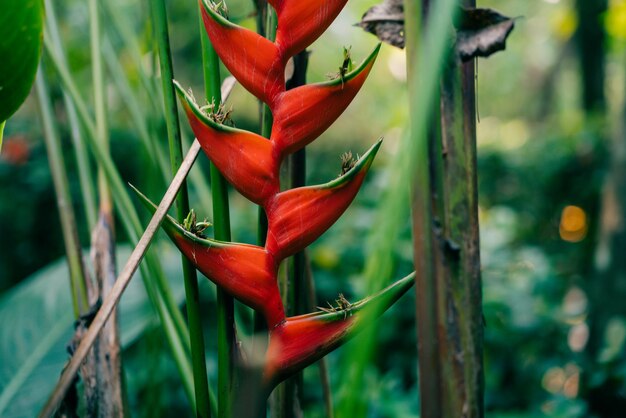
x=36, y=324
x=21, y=27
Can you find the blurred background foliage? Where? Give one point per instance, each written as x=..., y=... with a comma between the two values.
x=552, y=180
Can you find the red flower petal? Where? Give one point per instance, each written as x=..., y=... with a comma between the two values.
x=297, y=217
x=301, y=22
x=246, y=160
x=247, y=272
x=301, y=340
x=253, y=60
x=304, y=113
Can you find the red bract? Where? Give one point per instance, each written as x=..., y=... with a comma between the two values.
x=302, y=22
x=297, y=217
x=253, y=60
x=246, y=160
x=304, y=113
x=251, y=163
x=303, y=339
x=247, y=272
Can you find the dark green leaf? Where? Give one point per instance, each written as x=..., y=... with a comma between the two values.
x=21, y=26
x=36, y=324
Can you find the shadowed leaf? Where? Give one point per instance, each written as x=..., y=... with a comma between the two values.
x=386, y=21
x=481, y=32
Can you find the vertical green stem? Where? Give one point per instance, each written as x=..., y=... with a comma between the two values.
x=82, y=158
x=64, y=201
x=226, y=331
x=2, y=132
x=445, y=216
x=201, y=386
x=289, y=394
x=422, y=212
x=99, y=101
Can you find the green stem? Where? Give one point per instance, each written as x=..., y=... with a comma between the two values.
x=267, y=29
x=226, y=331
x=2, y=132
x=135, y=110
x=102, y=134
x=160, y=296
x=201, y=385
x=290, y=393
x=82, y=158
x=64, y=200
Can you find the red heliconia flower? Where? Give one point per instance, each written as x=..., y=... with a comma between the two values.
x=252, y=59
x=304, y=113
x=300, y=23
x=304, y=339
x=296, y=217
x=247, y=160
x=247, y=272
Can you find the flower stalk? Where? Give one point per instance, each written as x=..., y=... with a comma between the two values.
x=226, y=328
x=196, y=335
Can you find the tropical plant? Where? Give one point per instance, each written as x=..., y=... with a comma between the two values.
x=251, y=163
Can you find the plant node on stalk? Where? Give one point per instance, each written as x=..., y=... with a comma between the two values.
x=347, y=162
x=196, y=228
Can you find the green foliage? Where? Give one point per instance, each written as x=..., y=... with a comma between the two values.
x=36, y=327
x=21, y=25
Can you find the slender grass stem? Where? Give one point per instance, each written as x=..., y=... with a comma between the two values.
x=121, y=26
x=226, y=329
x=135, y=110
x=64, y=200
x=100, y=101
x=2, y=124
x=201, y=385
x=82, y=158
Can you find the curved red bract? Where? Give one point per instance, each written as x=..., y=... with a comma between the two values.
x=301, y=22
x=304, y=113
x=300, y=341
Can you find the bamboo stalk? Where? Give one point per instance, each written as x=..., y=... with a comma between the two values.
x=201, y=385
x=424, y=65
